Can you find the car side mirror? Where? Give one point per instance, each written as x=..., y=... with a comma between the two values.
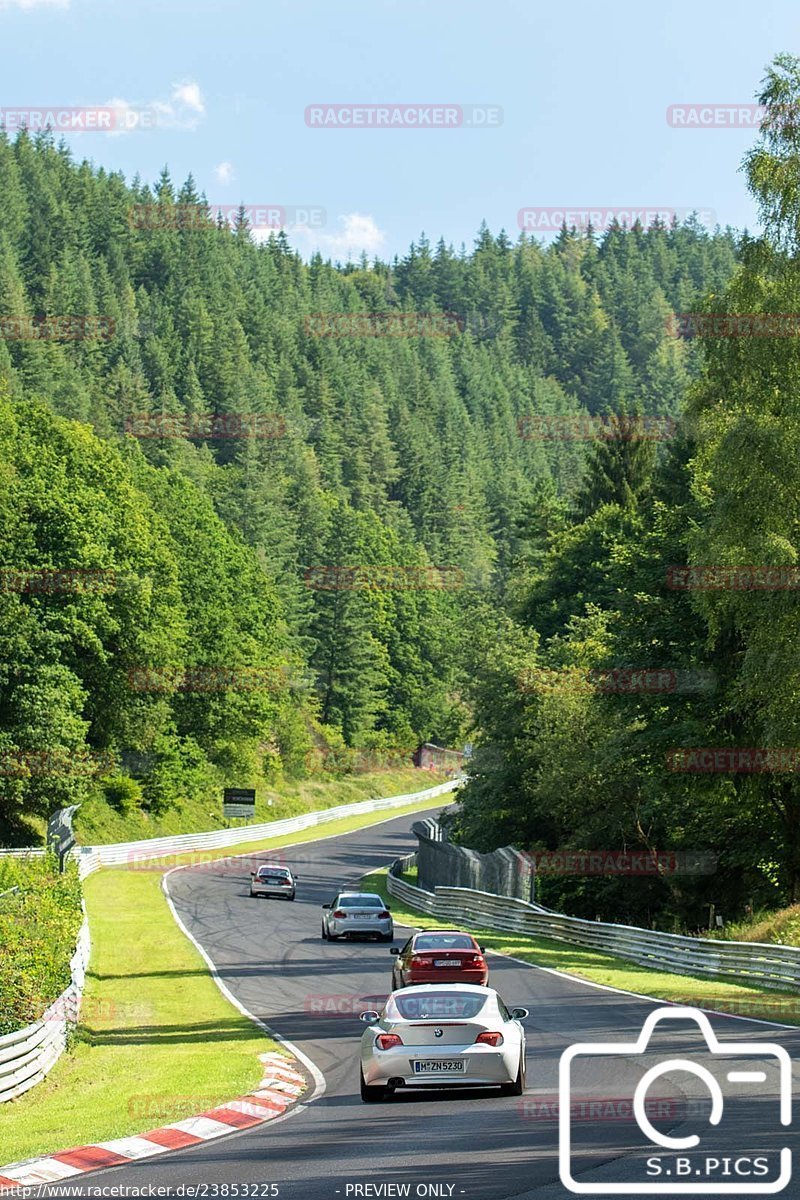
x=295, y=877
x=388, y=907
x=395, y=950
x=369, y=1017
x=482, y=949
x=326, y=906
x=519, y=1014
x=252, y=874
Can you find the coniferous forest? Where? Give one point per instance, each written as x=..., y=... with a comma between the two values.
x=208, y=452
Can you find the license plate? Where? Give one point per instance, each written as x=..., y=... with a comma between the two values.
x=364, y=915
x=437, y=1066
x=446, y=962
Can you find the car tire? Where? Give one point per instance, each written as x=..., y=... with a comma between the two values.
x=324, y=934
x=387, y=937
x=517, y=1088
x=371, y=1094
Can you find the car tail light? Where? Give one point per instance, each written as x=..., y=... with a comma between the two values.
x=383, y=915
x=489, y=1039
x=339, y=913
x=477, y=960
x=419, y=962
x=387, y=1041
x=286, y=883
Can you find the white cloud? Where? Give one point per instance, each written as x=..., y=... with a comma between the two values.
x=357, y=233
x=25, y=4
x=224, y=172
x=183, y=110
x=187, y=95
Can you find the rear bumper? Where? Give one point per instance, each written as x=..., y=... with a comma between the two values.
x=485, y=1066
x=442, y=975
x=351, y=925
x=258, y=890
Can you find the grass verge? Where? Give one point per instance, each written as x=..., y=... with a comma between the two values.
x=724, y=995
x=97, y=823
x=157, y=1040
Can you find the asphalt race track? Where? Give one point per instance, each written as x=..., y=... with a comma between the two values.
x=479, y=1145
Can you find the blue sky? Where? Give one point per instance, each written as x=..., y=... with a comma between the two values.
x=583, y=89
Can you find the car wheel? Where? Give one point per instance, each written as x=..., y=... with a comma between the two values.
x=387, y=937
x=371, y=1094
x=518, y=1086
x=290, y=897
x=324, y=934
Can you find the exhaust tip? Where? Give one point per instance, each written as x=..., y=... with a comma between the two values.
x=396, y=1082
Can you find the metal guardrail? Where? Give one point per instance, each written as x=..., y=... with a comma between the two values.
x=764, y=964
x=23, y=852
x=90, y=858
x=26, y=1055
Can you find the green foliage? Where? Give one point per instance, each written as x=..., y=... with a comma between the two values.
x=387, y=453
x=588, y=767
x=39, y=926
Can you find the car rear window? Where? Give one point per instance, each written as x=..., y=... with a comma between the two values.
x=272, y=873
x=443, y=941
x=457, y=1006
x=360, y=902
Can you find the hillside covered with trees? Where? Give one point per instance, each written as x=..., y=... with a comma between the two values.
x=204, y=452
x=629, y=702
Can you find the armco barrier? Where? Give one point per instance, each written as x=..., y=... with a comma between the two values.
x=90, y=858
x=26, y=1055
x=757, y=963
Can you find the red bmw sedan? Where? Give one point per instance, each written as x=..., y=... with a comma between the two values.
x=439, y=956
